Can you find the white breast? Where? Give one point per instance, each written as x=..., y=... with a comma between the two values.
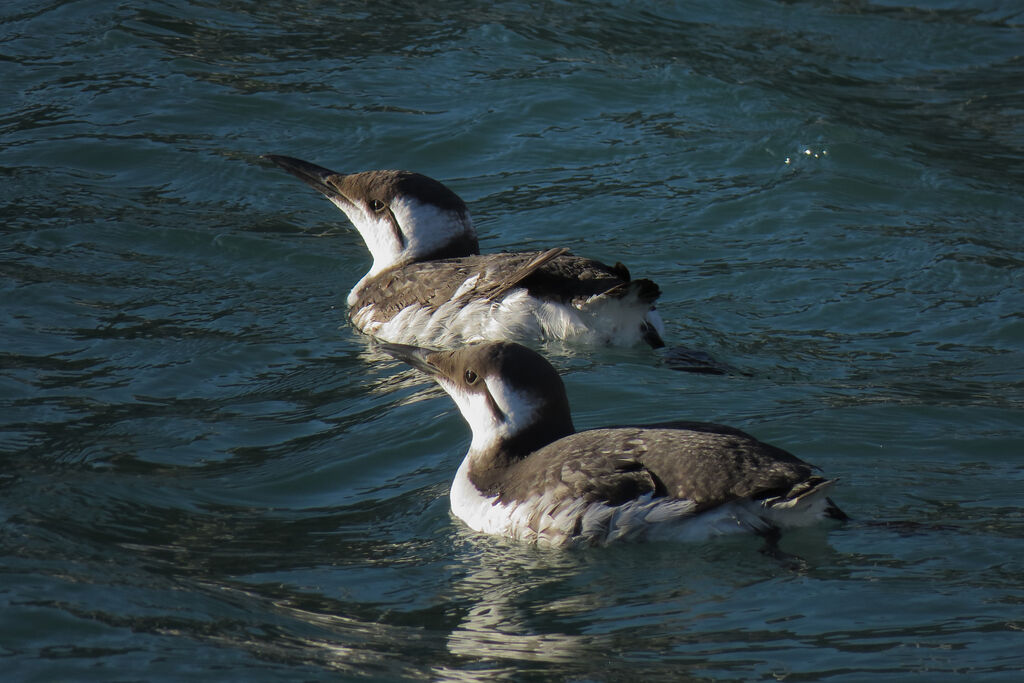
x=550, y=521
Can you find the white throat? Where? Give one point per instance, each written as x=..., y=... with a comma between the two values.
x=489, y=427
x=422, y=229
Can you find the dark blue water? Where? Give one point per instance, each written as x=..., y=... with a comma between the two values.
x=205, y=472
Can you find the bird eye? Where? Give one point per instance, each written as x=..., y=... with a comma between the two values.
x=470, y=377
x=377, y=205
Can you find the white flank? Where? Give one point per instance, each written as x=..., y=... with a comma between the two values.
x=551, y=521
x=518, y=316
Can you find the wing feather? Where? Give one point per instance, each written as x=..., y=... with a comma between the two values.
x=554, y=274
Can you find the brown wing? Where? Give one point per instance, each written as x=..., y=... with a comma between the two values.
x=553, y=274
x=708, y=467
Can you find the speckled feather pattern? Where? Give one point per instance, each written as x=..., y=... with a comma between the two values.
x=617, y=464
x=448, y=301
x=530, y=475
x=429, y=284
x=567, y=279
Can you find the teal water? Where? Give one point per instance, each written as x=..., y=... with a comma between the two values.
x=204, y=472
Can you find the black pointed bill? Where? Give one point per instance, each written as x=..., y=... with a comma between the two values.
x=415, y=356
x=317, y=177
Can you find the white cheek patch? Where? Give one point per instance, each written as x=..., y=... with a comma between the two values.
x=519, y=408
x=489, y=426
x=426, y=227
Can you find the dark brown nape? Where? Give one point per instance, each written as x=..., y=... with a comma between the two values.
x=514, y=361
x=463, y=245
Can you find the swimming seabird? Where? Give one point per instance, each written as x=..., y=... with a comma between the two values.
x=429, y=285
x=530, y=475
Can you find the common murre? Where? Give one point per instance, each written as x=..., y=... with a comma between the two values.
x=429, y=284
x=530, y=475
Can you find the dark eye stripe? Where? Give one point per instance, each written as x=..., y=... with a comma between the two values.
x=399, y=235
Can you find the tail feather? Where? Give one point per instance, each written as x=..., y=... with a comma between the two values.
x=499, y=289
x=650, y=335
x=833, y=512
x=806, y=502
x=645, y=291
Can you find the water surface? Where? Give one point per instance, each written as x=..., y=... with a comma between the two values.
x=206, y=472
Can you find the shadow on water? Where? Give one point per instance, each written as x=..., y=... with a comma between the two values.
x=381, y=588
x=391, y=586
x=201, y=474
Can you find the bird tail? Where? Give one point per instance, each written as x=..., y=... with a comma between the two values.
x=645, y=291
x=803, y=504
